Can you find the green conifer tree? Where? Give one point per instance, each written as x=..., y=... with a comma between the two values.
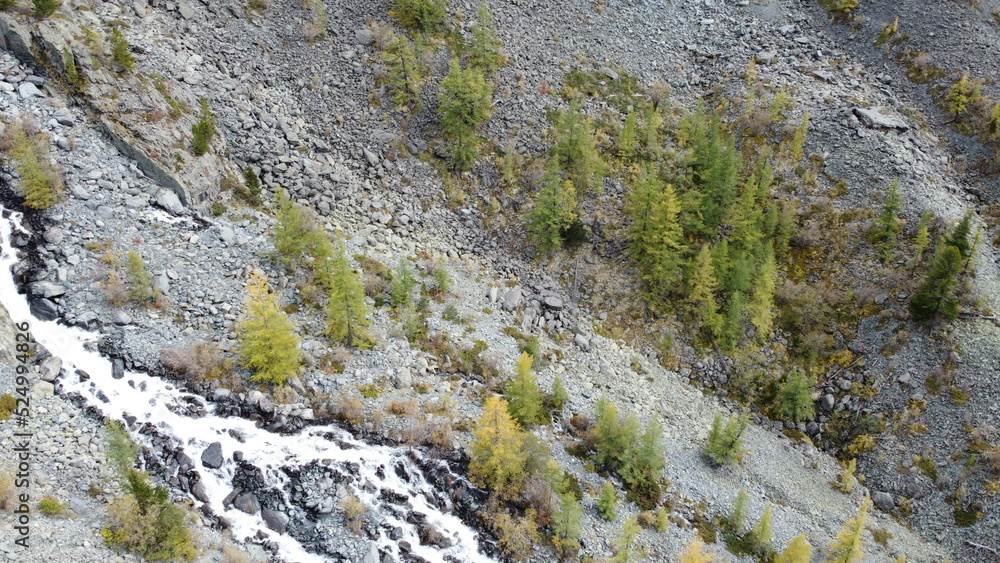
x=934, y=298
x=576, y=150
x=428, y=16
x=484, y=48
x=607, y=502
x=625, y=542
x=959, y=237
x=523, y=396
x=642, y=463
x=203, y=131
x=346, y=311
x=794, y=399
x=268, y=345
x=628, y=138
x=887, y=224
x=650, y=133
x=44, y=8
x=254, y=189
x=761, y=536
x=554, y=211
x=715, y=164
x=559, y=394
x=849, y=545
x=738, y=514
x=404, y=74
x=401, y=287
x=120, y=51
x=761, y=307
x=464, y=100
x=139, y=281
x=922, y=237
x=702, y=294
x=724, y=445
x=656, y=235
x=292, y=230
x=566, y=525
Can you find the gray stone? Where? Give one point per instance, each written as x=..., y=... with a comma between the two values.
x=135, y=203
x=372, y=556
x=78, y=192
x=50, y=368
x=117, y=368
x=53, y=235
x=27, y=90
x=105, y=212
x=169, y=201
x=185, y=10
x=403, y=378
x=582, y=341
x=828, y=401
x=247, y=502
x=371, y=157
x=161, y=283
x=226, y=235
x=78, y=506
x=512, y=300
x=553, y=302
x=46, y=289
x=883, y=501
x=275, y=520
x=880, y=118
x=198, y=490
x=212, y=457
x=43, y=388
x=121, y=318
x=610, y=73
x=364, y=36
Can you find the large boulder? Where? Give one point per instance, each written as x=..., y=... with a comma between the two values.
x=212, y=456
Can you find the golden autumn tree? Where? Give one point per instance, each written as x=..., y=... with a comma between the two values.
x=498, y=461
x=268, y=345
x=694, y=553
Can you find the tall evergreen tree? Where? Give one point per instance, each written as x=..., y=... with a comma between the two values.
x=266, y=338
x=292, y=230
x=464, y=100
x=643, y=462
x=626, y=540
x=738, y=513
x=484, y=48
x=576, y=150
x=656, y=235
x=523, y=395
x=761, y=307
x=404, y=74
x=139, y=281
x=607, y=502
x=566, y=525
x=849, y=545
x=628, y=138
x=887, y=224
x=761, y=536
x=554, y=211
x=346, y=311
x=497, y=459
x=959, y=237
x=794, y=400
x=715, y=164
x=702, y=294
x=934, y=298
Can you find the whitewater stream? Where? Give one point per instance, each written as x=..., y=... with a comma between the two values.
x=382, y=472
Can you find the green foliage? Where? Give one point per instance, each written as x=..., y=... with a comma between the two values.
x=637, y=457
x=961, y=96
x=420, y=15
x=346, y=311
x=7, y=4
x=934, y=299
x=50, y=506
x=656, y=235
x=922, y=237
x=628, y=139
x=120, y=50
x=724, y=445
x=497, y=457
x=44, y=8
x=714, y=163
x=70, y=71
x=799, y=140
x=39, y=184
x=523, y=395
x=559, y=395
x=737, y=518
x=253, y=187
x=662, y=520
x=566, y=525
x=845, y=479
x=625, y=542
x=266, y=338
x=404, y=74
x=8, y=404
x=887, y=224
x=295, y=232
x=993, y=128
x=849, y=545
x=121, y=451
x=761, y=306
x=442, y=280
x=401, y=287
x=794, y=399
x=484, y=48
x=760, y=537
x=203, y=131
x=840, y=7
x=146, y=521
x=959, y=237
x=554, y=211
x=139, y=281
x=797, y=551
x=575, y=151
x=607, y=502
x=464, y=100
x=702, y=295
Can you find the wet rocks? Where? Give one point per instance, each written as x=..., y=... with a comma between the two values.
x=212, y=456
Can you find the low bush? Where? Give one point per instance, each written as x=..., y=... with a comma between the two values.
x=50, y=506
x=724, y=445
x=40, y=183
x=7, y=406
x=199, y=360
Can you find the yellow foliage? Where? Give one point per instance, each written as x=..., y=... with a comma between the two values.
x=497, y=461
x=694, y=553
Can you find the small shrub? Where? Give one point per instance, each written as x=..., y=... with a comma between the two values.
x=120, y=50
x=40, y=183
x=607, y=502
x=370, y=391
x=200, y=360
x=7, y=4
x=436, y=431
x=114, y=289
x=145, y=521
x=44, y=8
x=7, y=406
x=420, y=15
x=139, y=281
x=354, y=510
x=845, y=479
x=349, y=408
x=50, y=506
x=7, y=489
x=401, y=408
x=232, y=554
x=724, y=445
x=259, y=6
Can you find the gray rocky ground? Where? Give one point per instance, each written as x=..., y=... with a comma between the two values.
x=300, y=114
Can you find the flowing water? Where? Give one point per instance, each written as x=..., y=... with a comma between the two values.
x=380, y=469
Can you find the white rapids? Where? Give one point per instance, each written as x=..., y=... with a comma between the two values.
x=158, y=402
